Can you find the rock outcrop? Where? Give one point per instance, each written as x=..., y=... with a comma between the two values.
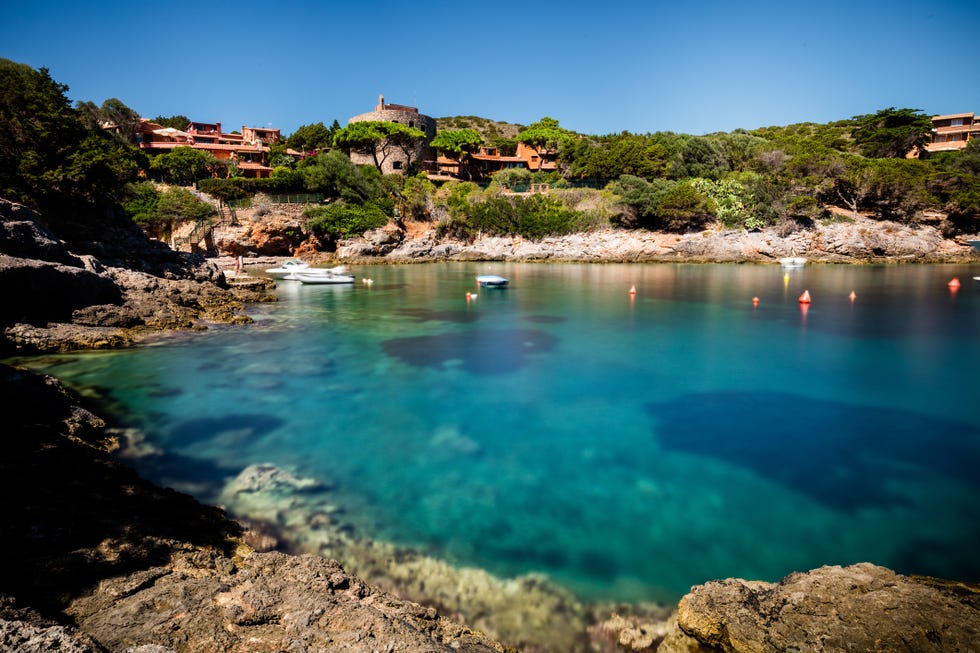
x=862, y=607
x=279, y=230
x=102, y=289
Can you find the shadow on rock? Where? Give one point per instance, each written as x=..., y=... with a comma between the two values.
x=76, y=516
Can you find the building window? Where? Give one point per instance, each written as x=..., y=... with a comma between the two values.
x=956, y=122
x=397, y=165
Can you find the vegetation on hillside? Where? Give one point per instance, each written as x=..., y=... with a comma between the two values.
x=63, y=161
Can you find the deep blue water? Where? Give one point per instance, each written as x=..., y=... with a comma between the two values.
x=628, y=448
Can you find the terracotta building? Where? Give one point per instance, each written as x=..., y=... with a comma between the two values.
x=249, y=149
x=953, y=132
x=488, y=160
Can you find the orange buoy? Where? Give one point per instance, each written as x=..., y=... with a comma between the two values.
x=954, y=282
x=805, y=297
x=853, y=295
x=755, y=301
x=632, y=290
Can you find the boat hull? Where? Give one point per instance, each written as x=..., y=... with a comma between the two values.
x=491, y=281
x=323, y=278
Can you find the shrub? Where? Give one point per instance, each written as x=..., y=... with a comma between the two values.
x=341, y=220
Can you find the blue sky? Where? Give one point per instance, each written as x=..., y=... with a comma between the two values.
x=598, y=67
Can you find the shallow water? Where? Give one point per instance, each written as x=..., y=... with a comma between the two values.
x=626, y=447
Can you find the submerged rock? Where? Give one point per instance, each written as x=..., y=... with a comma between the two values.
x=862, y=607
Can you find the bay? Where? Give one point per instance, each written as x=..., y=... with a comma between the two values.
x=628, y=446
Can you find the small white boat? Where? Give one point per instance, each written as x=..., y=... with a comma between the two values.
x=287, y=268
x=335, y=275
x=792, y=262
x=491, y=281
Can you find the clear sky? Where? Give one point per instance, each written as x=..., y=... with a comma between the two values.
x=598, y=67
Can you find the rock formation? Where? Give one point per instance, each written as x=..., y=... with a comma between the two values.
x=862, y=607
x=101, y=290
x=278, y=230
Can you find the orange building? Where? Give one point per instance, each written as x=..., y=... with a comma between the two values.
x=249, y=149
x=953, y=132
x=488, y=160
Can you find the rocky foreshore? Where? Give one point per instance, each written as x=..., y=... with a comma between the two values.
x=98, y=559
x=860, y=241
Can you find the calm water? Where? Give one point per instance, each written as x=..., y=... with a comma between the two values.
x=629, y=448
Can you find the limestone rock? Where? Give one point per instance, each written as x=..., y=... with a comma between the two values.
x=264, y=602
x=862, y=607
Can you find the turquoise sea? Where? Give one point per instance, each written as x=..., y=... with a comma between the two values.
x=626, y=446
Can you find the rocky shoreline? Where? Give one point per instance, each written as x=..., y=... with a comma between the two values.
x=98, y=559
x=847, y=239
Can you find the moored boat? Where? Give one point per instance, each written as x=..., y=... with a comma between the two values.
x=324, y=276
x=287, y=268
x=792, y=262
x=491, y=281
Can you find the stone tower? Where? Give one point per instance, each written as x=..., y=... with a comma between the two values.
x=408, y=116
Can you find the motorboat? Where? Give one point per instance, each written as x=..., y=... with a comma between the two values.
x=792, y=262
x=287, y=268
x=337, y=275
x=491, y=281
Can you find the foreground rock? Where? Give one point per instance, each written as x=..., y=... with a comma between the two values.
x=528, y=612
x=858, y=608
x=104, y=290
x=97, y=559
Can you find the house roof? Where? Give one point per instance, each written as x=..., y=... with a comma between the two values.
x=952, y=116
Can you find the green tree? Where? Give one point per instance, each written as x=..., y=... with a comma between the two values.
x=891, y=133
x=334, y=175
x=545, y=136
x=458, y=144
x=159, y=213
x=112, y=116
x=177, y=122
x=379, y=139
x=311, y=138
x=341, y=220
x=49, y=158
x=417, y=198
x=641, y=200
x=700, y=156
x=183, y=165
x=141, y=204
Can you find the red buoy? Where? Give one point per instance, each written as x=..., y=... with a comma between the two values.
x=632, y=290
x=954, y=282
x=805, y=297
x=853, y=295
x=755, y=301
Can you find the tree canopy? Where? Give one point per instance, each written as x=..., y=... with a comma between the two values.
x=545, y=136
x=457, y=142
x=378, y=139
x=50, y=158
x=891, y=133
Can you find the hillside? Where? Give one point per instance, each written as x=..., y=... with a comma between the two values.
x=490, y=129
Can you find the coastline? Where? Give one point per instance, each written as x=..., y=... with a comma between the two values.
x=110, y=562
